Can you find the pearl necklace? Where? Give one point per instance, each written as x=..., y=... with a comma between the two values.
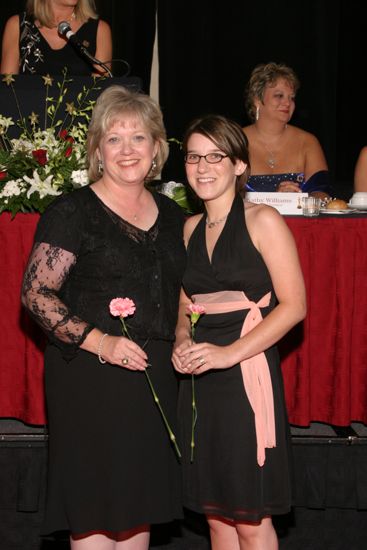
x=215, y=222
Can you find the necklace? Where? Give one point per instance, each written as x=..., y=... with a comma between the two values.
x=215, y=222
x=271, y=159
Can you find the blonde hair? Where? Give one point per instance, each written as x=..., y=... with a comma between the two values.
x=114, y=104
x=42, y=10
x=267, y=75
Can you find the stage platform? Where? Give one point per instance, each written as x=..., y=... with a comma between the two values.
x=330, y=493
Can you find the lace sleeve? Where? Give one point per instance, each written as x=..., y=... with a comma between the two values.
x=47, y=269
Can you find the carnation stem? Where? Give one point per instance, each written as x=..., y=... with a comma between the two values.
x=156, y=399
x=155, y=396
x=124, y=329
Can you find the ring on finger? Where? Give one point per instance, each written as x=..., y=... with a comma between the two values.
x=125, y=360
x=201, y=360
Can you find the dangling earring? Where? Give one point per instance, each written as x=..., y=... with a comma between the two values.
x=154, y=165
x=257, y=113
x=100, y=167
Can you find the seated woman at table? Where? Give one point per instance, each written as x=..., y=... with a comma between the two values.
x=283, y=158
x=32, y=44
x=360, y=171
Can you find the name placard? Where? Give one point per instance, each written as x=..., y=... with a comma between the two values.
x=285, y=203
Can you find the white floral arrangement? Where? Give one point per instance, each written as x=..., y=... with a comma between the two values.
x=48, y=158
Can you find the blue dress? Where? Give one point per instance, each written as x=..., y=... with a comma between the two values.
x=269, y=182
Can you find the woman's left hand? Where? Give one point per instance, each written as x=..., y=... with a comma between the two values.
x=202, y=357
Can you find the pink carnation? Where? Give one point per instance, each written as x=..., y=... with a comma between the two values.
x=122, y=307
x=196, y=308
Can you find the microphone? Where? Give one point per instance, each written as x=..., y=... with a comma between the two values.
x=64, y=30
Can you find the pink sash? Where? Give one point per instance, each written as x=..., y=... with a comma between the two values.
x=255, y=370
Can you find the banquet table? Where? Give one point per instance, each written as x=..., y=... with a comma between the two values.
x=323, y=359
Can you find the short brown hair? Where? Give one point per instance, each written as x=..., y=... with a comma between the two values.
x=227, y=135
x=267, y=75
x=113, y=104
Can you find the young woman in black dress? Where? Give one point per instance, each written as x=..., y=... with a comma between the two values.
x=243, y=268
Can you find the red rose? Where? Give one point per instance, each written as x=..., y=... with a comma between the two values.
x=68, y=152
x=63, y=134
x=41, y=156
x=3, y=175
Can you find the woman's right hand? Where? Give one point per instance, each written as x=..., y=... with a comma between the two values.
x=176, y=355
x=288, y=187
x=123, y=352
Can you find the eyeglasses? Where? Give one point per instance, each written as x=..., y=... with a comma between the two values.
x=211, y=158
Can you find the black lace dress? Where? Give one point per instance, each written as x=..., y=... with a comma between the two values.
x=225, y=478
x=112, y=466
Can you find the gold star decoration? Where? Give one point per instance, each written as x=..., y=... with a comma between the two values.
x=8, y=79
x=33, y=118
x=70, y=108
x=47, y=80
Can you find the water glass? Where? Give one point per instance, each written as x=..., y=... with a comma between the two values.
x=311, y=206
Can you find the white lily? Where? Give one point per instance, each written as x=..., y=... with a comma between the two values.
x=42, y=187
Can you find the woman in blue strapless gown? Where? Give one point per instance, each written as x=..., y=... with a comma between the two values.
x=283, y=158
x=319, y=182
x=243, y=269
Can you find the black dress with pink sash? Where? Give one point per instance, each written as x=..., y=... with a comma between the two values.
x=225, y=477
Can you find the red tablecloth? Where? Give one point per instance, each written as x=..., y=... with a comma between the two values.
x=324, y=359
x=21, y=358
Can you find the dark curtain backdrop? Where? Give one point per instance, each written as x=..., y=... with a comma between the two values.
x=207, y=49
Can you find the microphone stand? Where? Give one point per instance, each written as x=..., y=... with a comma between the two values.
x=104, y=66
x=64, y=30
x=96, y=61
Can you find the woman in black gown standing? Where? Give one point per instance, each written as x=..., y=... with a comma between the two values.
x=32, y=44
x=113, y=470
x=244, y=270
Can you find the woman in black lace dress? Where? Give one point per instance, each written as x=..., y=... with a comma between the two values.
x=243, y=268
x=113, y=470
x=32, y=45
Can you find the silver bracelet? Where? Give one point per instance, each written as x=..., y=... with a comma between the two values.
x=99, y=351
